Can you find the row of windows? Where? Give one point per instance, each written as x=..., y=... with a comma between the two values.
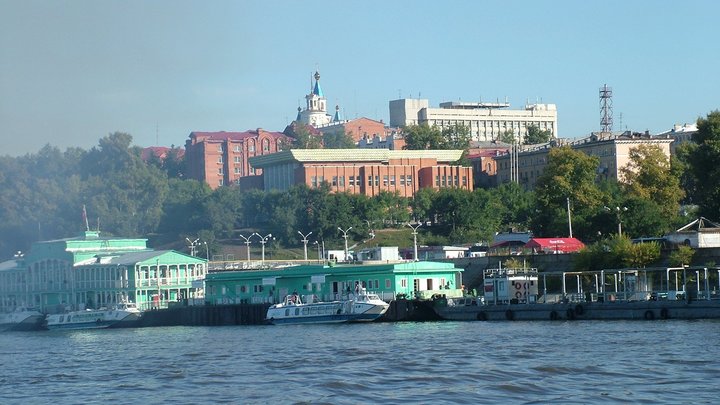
x=251, y=146
x=388, y=180
x=449, y=181
x=497, y=124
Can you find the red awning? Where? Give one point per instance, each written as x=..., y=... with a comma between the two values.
x=564, y=245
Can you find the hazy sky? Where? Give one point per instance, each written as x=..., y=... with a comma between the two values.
x=72, y=72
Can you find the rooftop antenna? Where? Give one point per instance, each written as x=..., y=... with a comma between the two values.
x=606, y=119
x=620, y=120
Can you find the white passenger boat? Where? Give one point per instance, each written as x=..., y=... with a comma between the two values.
x=21, y=320
x=360, y=307
x=122, y=314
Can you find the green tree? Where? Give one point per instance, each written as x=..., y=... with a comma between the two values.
x=456, y=136
x=184, y=207
x=609, y=253
x=304, y=138
x=516, y=206
x=643, y=254
x=422, y=204
x=507, y=137
x=569, y=174
x=114, y=153
x=421, y=137
x=681, y=166
x=535, y=135
x=392, y=208
x=704, y=165
x=682, y=256
x=648, y=176
x=338, y=140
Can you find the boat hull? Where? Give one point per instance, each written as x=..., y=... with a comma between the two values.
x=91, y=320
x=21, y=322
x=333, y=312
x=640, y=310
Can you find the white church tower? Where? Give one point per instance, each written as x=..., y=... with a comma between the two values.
x=315, y=112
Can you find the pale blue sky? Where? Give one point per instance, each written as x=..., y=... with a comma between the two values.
x=73, y=71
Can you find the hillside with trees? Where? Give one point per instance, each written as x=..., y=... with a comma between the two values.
x=42, y=195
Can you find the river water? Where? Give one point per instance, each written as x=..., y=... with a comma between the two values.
x=580, y=362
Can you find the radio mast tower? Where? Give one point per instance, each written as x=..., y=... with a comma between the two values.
x=606, y=113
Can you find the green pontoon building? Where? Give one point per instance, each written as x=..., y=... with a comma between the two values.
x=410, y=279
x=91, y=271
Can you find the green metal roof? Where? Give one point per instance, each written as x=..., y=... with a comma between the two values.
x=351, y=155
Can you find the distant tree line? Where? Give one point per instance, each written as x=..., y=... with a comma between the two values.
x=42, y=194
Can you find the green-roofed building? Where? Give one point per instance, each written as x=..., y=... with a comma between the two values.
x=91, y=271
x=364, y=171
x=411, y=279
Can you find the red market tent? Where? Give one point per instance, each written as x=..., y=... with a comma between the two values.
x=554, y=245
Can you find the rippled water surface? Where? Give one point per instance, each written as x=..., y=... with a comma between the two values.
x=581, y=362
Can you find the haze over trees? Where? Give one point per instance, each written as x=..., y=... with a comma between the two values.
x=42, y=195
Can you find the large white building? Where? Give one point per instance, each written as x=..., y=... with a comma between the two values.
x=485, y=120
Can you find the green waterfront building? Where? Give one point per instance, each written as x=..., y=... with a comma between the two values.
x=411, y=279
x=91, y=271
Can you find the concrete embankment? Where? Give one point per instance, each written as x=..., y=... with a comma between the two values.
x=206, y=315
x=254, y=314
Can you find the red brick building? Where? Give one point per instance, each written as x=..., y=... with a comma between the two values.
x=485, y=167
x=221, y=158
x=364, y=171
x=359, y=128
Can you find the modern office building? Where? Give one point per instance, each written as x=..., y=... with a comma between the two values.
x=364, y=171
x=91, y=271
x=486, y=121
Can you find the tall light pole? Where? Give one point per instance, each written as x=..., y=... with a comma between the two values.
x=345, y=235
x=320, y=257
x=247, y=244
x=414, y=232
x=207, y=250
x=192, y=245
x=305, y=242
x=263, y=241
x=569, y=217
x=618, y=210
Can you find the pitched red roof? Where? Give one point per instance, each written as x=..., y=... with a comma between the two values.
x=565, y=245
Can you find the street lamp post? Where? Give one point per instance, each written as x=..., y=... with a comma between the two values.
x=618, y=211
x=316, y=243
x=345, y=235
x=305, y=242
x=192, y=244
x=247, y=244
x=414, y=233
x=263, y=241
x=207, y=250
